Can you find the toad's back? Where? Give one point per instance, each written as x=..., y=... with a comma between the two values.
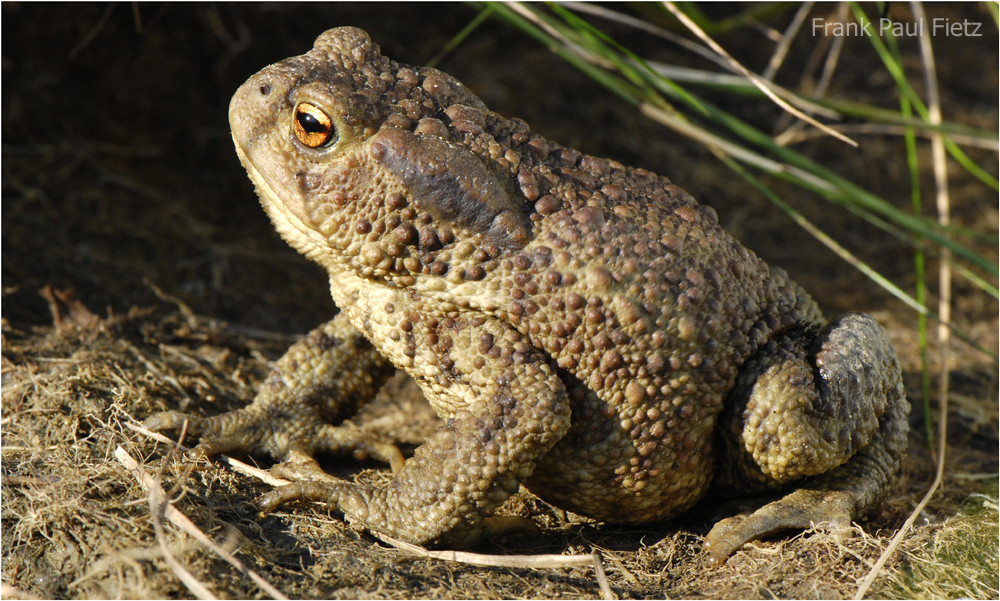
x=648, y=308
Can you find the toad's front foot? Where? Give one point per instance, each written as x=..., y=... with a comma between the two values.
x=299, y=411
x=248, y=431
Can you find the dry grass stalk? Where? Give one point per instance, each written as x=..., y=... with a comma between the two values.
x=944, y=303
x=182, y=522
x=541, y=561
x=535, y=562
x=761, y=84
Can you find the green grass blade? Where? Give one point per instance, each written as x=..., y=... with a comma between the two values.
x=460, y=36
x=896, y=70
x=595, y=53
x=845, y=254
x=913, y=165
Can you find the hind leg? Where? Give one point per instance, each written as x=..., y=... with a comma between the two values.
x=823, y=414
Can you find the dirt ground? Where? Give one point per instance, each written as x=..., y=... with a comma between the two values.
x=140, y=274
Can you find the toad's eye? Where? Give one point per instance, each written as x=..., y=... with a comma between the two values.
x=312, y=126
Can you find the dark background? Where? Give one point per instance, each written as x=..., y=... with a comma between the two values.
x=118, y=166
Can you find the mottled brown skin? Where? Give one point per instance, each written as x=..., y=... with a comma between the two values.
x=583, y=328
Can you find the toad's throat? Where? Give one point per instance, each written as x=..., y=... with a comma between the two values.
x=297, y=234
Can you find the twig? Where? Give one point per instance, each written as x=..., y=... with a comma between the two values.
x=602, y=578
x=511, y=561
x=185, y=524
x=157, y=505
x=239, y=466
x=491, y=560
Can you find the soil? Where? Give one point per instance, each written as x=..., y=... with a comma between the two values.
x=140, y=274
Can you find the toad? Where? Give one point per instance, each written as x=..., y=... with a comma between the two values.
x=583, y=328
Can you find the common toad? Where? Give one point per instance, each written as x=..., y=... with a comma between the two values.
x=583, y=328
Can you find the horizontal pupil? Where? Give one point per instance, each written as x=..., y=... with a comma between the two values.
x=311, y=124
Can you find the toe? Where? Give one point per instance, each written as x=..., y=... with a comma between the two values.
x=801, y=509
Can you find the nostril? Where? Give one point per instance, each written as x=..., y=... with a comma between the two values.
x=264, y=89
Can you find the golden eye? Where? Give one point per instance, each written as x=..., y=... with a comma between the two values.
x=312, y=126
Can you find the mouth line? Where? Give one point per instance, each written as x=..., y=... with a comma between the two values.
x=301, y=237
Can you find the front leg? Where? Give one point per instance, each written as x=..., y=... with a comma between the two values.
x=504, y=406
x=322, y=379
